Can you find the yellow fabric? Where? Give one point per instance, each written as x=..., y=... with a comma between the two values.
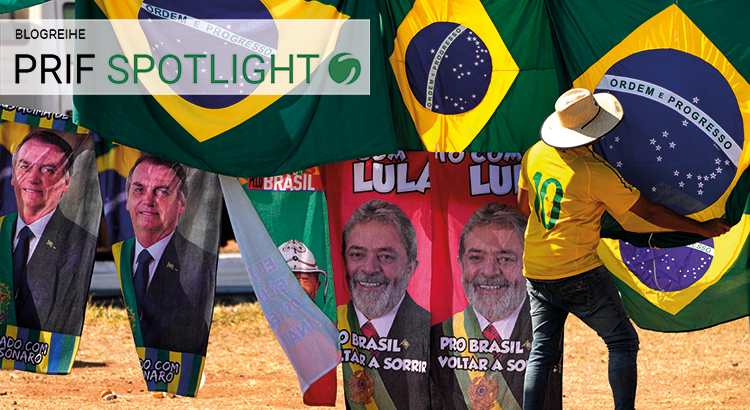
x=569, y=190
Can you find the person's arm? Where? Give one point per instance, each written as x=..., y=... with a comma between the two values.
x=664, y=217
x=522, y=203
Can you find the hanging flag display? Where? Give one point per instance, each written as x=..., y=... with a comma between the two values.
x=419, y=234
x=682, y=142
x=50, y=216
x=465, y=74
x=281, y=133
x=308, y=337
x=167, y=267
x=13, y=5
x=293, y=208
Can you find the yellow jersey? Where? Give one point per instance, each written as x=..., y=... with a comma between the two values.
x=569, y=190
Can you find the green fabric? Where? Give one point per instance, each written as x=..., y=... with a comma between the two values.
x=514, y=126
x=300, y=215
x=293, y=133
x=125, y=271
x=7, y=291
x=13, y=5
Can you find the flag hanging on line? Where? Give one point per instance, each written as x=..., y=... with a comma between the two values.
x=682, y=83
x=221, y=133
x=465, y=77
x=293, y=207
x=309, y=339
x=42, y=305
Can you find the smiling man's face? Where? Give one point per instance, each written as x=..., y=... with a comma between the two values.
x=155, y=202
x=39, y=179
x=377, y=268
x=492, y=271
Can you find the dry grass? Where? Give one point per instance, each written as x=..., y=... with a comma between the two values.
x=246, y=369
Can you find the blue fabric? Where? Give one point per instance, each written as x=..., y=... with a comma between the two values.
x=140, y=280
x=20, y=256
x=593, y=297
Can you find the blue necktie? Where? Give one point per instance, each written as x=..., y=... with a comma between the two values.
x=140, y=279
x=20, y=255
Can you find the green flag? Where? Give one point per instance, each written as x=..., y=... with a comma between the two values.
x=680, y=72
x=475, y=76
x=243, y=135
x=293, y=207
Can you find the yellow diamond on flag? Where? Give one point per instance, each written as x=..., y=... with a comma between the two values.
x=205, y=121
x=453, y=70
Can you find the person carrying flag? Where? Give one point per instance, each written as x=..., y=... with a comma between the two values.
x=564, y=189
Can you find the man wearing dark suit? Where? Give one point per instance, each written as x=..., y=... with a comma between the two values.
x=479, y=355
x=173, y=279
x=52, y=257
x=386, y=332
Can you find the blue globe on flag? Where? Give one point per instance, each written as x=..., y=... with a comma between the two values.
x=681, y=137
x=226, y=21
x=679, y=143
x=448, y=68
x=668, y=269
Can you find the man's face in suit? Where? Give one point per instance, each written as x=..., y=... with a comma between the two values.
x=155, y=202
x=492, y=271
x=377, y=268
x=39, y=179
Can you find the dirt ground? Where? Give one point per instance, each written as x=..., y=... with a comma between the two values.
x=246, y=369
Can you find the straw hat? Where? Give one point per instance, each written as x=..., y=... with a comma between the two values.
x=581, y=118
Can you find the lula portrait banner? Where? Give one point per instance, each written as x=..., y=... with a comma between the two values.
x=49, y=216
x=680, y=72
x=427, y=262
x=167, y=266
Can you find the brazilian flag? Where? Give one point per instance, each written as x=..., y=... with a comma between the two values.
x=242, y=134
x=293, y=206
x=13, y=5
x=112, y=162
x=681, y=73
x=471, y=75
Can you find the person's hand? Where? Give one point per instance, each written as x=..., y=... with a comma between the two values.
x=714, y=227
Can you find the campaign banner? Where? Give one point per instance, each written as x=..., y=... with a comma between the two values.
x=432, y=305
x=49, y=218
x=167, y=266
x=280, y=276
x=293, y=210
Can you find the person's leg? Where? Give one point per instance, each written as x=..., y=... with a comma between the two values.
x=548, y=322
x=594, y=298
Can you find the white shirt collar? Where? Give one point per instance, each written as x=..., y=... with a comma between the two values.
x=505, y=326
x=382, y=324
x=37, y=228
x=156, y=250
